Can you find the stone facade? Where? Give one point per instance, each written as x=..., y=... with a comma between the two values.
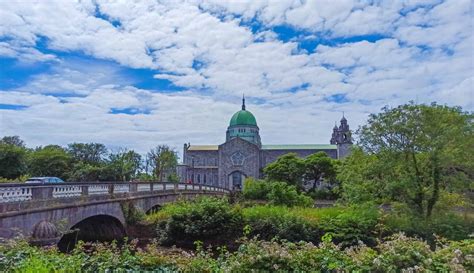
x=243, y=155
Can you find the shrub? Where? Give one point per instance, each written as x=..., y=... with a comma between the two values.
x=201, y=219
x=448, y=225
x=323, y=194
x=256, y=189
x=277, y=193
x=284, y=194
x=352, y=225
x=347, y=226
x=270, y=222
x=398, y=253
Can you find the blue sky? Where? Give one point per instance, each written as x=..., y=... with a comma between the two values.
x=143, y=74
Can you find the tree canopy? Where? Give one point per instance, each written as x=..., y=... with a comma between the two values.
x=163, y=161
x=287, y=168
x=412, y=153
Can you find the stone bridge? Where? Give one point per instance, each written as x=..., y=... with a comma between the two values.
x=48, y=213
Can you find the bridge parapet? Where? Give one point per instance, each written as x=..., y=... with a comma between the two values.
x=19, y=196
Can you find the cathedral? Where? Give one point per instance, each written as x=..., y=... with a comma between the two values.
x=243, y=154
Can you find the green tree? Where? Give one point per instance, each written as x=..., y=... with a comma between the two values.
x=287, y=168
x=420, y=151
x=123, y=165
x=13, y=140
x=82, y=172
x=163, y=160
x=51, y=160
x=90, y=153
x=319, y=165
x=13, y=160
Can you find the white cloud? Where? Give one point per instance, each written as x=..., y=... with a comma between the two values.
x=426, y=55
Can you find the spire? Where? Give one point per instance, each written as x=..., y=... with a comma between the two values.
x=243, y=101
x=343, y=117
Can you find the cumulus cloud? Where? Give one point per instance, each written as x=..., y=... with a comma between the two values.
x=366, y=54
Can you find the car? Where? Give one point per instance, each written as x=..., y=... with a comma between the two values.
x=43, y=180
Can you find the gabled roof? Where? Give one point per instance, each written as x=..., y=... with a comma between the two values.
x=300, y=147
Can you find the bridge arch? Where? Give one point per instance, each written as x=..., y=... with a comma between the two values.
x=97, y=228
x=154, y=209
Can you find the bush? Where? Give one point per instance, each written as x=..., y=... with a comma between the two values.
x=323, y=194
x=448, y=225
x=277, y=193
x=202, y=219
x=269, y=222
x=347, y=226
x=256, y=189
x=397, y=253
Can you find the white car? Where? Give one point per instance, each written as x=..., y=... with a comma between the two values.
x=43, y=180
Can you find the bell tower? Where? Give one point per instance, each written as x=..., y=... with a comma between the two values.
x=342, y=137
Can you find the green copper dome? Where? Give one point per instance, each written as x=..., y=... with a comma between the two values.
x=243, y=117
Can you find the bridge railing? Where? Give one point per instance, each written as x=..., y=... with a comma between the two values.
x=20, y=192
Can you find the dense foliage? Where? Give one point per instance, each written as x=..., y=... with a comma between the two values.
x=213, y=218
x=203, y=219
x=296, y=171
x=83, y=162
x=394, y=254
x=277, y=193
x=411, y=154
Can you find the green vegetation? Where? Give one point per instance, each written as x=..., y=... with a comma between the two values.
x=84, y=162
x=204, y=219
x=291, y=169
x=277, y=193
x=403, y=206
x=413, y=154
x=394, y=254
x=215, y=220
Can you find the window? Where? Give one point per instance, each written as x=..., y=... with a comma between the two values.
x=237, y=158
x=199, y=178
x=204, y=179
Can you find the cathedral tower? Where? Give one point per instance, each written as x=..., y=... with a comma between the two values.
x=342, y=137
x=244, y=125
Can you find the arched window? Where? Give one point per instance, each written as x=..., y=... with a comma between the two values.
x=199, y=178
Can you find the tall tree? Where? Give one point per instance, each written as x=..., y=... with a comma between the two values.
x=51, y=160
x=319, y=165
x=90, y=153
x=124, y=165
x=13, y=160
x=163, y=160
x=13, y=140
x=425, y=148
x=287, y=168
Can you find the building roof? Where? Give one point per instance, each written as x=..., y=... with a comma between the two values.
x=203, y=148
x=300, y=147
x=271, y=147
x=243, y=117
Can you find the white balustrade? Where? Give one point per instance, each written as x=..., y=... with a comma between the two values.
x=25, y=193
x=98, y=189
x=143, y=187
x=121, y=188
x=66, y=191
x=15, y=194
